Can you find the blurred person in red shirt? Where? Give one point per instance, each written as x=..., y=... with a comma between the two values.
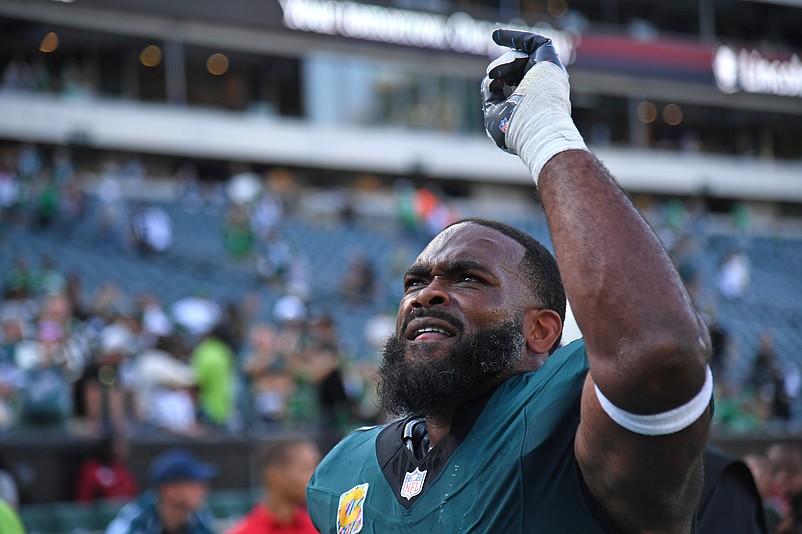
x=786, y=464
x=285, y=467
x=105, y=475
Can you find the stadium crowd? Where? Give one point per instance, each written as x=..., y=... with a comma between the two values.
x=109, y=363
x=106, y=360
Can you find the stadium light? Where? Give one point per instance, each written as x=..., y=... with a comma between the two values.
x=151, y=56
x=647, y=112
x=217, y=64
x=672, y=114
x=49, y=43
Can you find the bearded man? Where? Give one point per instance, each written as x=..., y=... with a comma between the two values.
x=503, y=430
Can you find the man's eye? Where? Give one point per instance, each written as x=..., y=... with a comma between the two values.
x=469, y=278
x=413, y=282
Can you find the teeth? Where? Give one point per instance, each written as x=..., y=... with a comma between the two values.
x=432, y=329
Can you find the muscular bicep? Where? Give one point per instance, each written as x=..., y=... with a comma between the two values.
x=643, y=482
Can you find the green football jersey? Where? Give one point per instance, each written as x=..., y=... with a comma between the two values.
x=513, y=471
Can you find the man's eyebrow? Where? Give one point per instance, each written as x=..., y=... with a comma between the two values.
x=459, y=266
x=418, y=269
x=456, y=266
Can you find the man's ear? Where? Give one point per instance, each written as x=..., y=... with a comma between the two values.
x=541, y=330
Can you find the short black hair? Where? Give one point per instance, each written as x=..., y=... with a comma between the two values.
x=538, y=267
x=278, y=451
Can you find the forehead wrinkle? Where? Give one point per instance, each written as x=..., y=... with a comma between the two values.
x=451, y=267
x=462, y=243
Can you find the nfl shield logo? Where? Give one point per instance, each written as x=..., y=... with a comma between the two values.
x=413, y=483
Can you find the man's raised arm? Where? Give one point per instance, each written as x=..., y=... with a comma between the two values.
x=645, y=406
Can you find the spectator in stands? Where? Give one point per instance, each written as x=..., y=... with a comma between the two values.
x=285, y=468
x=151, y=230
x=237, y=232
x=51, y=363
x=176, y=501
x=18, y=75
x=111, y=208
x=734, y=275
x=319, y=364
x=432, y=210
x=48, y=280
x=9, y=489
x=103, y=383
x=189, y=187
x=73, y=289
x=274, y=259
x=11, y=376
x=9, y=195
x=16, y=485
x=760, y=467
x=108, y=302
x=213, y=361
x=359, y=285
x=299, y=277
x=156, y=323
x=720, y=343
x=73, y=206
x=786, y=463
x=10, y=522
x=105, y=474
x=233, y=324
x=268, y=375
x=737, y=409
x=291, y=314
x=18, y=281
x=378, y=328
x=62, y=166
x=774, y=381
x=196, y=314
x=266, y=213
x=48, y=201
x=774, y=506
x=742, y=221
x=29, y=162
x=165, y=393
x=134, y=170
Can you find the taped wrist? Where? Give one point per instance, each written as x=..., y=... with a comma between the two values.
x=661, y=424
x=541, y=125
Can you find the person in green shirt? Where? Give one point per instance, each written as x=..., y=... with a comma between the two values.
x=10, y=522
x=213, y=363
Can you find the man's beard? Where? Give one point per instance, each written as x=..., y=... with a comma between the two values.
x=435, y=386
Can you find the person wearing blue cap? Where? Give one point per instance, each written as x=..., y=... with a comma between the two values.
x=176, y=502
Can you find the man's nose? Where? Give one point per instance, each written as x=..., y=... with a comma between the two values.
x=434, y=294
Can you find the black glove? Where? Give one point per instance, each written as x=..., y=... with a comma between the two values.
x=506, y=72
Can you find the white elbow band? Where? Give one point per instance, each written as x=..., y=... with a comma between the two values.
x=661, y=424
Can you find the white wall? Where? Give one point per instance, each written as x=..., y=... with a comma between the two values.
x=162, y=129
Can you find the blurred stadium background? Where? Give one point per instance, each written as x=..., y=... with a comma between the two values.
x=264, y=170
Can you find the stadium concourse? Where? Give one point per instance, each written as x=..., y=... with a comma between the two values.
x=122, y=283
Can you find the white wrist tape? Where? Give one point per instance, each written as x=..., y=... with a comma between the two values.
x=541, y=125
x=661, y=424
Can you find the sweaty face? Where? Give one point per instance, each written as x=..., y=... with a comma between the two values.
x=459, y=324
